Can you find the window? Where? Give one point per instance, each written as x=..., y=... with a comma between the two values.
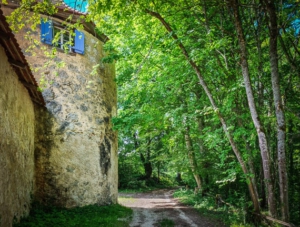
x=49, y=29
x=63, y=39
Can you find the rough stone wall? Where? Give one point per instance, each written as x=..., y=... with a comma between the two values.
x=76, y=148
x=76, y=164
x=16, y=146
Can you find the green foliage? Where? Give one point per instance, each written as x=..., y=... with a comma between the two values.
x=233, y=215
x=89, y=216
x=27, y=18
x=159, y=95
x=136, y=184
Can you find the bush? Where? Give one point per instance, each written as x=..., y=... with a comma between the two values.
x=89, y=216
x=136, y=184
x=207, y=205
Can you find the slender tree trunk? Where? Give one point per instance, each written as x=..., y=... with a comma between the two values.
x=259, y=128
x=178, y=178
x=250, y=156
x=200, y=122
x=290, y=147
x=260, y=89
x=158, y=171
x=281, y=125
x=147, y=165
x=192, y=158
x=145, y=160
x=212, y=101
x=291, y=43
x=200, y=140
x=262, y=188
x=288, y=55
x=260, y=86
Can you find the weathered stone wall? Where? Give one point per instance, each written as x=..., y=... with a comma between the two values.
x=76, y=148
x=76, y=156
x=16, y=145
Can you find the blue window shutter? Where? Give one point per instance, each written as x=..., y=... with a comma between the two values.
x=79, y=42
x=46, y=32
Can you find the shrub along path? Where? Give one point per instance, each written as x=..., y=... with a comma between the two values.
x=159, y=208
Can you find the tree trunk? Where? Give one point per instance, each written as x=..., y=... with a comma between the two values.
x=147, y=166
x=260, y=89
x=212, y=101
x=260, y=71
x=158, y=171
x=290, y=146
x=192, y=158
x=178, y=178
x=200, y=140
x=250, y=156
x=145, y=160
x=255, y=118
x=280, y=118
x=263, y=201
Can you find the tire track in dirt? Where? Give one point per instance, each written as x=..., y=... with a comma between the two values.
x=150, y=208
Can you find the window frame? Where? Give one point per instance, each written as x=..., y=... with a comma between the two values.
x=49, y=31
x=61, y=44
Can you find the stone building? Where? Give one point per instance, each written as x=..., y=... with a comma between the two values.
x=66, y=150
x=18, y=97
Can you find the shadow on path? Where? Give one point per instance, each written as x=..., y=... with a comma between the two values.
x=150, y=208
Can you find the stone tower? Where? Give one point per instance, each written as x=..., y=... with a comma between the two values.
x=75, y=145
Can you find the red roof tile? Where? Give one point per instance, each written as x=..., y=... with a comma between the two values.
x=18, y=61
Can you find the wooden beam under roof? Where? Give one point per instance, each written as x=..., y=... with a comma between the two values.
x=4, y=35
x=17, y=63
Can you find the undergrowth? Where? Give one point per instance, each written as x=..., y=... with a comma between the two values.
x=206, y=205
x=146, y=185
x=143, y=185
x=88, y=216
x=137, y=190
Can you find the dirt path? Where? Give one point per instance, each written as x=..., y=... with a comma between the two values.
x=150, y=208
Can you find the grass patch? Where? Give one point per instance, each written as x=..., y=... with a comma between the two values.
x=88, y=216
x=207, y=207
x=166, y=223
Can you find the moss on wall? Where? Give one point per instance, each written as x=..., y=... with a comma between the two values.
x=16, y=145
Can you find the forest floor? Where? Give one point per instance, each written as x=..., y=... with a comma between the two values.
x=158, y=208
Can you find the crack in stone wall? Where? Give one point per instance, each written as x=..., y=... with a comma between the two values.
x=104, y=160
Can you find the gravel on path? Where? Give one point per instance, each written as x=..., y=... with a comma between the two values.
x=150, y=208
